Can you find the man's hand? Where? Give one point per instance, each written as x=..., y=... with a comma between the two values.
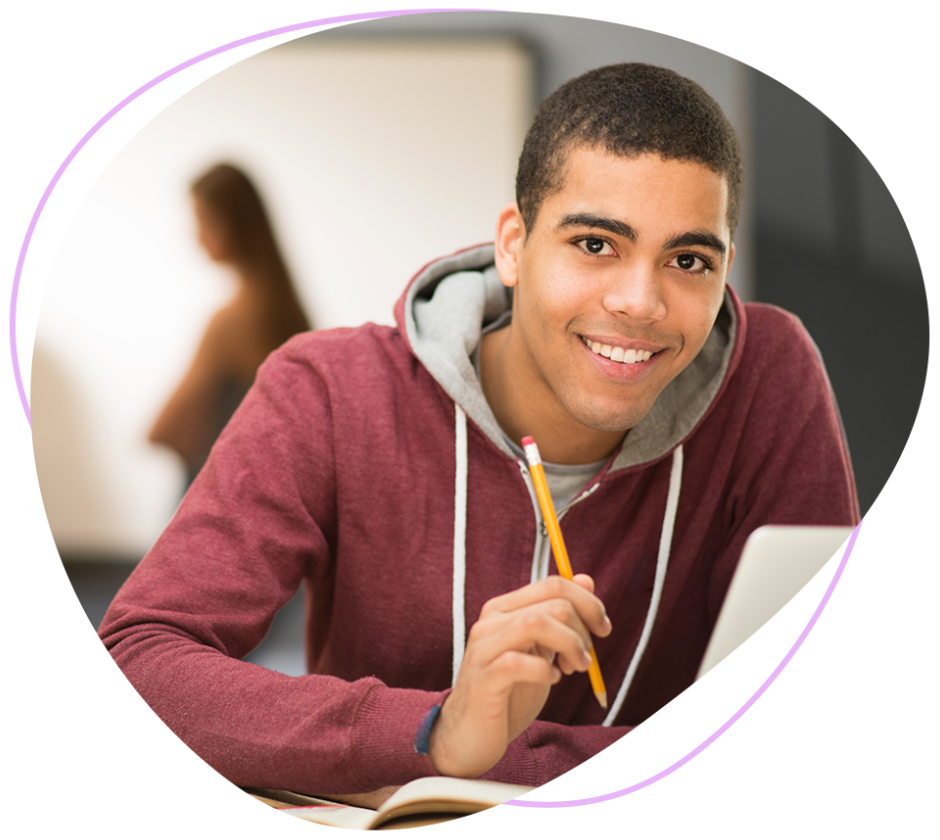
x=518, y=649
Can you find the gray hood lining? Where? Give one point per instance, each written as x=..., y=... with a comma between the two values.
x=452, y=300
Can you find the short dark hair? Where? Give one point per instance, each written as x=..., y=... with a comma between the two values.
x=628, y=109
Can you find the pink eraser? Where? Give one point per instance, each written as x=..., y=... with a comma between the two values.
x=526, y=441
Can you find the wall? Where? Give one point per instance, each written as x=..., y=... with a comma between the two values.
x=353, y=146
x=832, y=246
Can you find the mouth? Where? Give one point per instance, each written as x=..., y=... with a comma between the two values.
x=618, y=354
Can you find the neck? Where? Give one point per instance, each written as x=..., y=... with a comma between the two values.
x=520, y=409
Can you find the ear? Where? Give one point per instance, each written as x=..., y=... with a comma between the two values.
x=510, y=236
x=730, y=257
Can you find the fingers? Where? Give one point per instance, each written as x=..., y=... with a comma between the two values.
x=578, y=592
x=513, y=666
x=521, y=645
x=545, y=626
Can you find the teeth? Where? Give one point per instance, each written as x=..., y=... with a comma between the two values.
x=618, y=354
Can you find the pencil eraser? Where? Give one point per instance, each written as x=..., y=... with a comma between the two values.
x=531, y=451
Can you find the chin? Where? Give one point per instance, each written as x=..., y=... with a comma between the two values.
x=619, y=420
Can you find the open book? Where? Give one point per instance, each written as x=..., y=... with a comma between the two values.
x=435, y=799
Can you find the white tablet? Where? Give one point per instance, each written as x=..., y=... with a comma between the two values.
x=777, y=562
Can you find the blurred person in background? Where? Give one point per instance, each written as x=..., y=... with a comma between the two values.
x=234, y=230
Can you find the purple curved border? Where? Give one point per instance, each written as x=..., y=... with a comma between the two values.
x=848, y=718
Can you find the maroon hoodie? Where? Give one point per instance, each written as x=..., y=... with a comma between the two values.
x=350, y=468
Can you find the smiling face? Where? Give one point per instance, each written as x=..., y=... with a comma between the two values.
x=617, y=287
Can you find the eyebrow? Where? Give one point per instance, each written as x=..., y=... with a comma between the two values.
x=614, y=226
x=685, y=240
x=696, y=237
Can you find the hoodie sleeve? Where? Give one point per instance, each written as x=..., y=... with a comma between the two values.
x=259, y=519
x=546, y=750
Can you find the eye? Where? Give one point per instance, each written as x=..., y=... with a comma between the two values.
x=691, y=263
x=596, y=246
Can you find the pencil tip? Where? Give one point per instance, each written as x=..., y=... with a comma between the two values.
x=602, y=698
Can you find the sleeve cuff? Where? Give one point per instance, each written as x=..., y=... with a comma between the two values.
x=384, y=746
x=425, y=725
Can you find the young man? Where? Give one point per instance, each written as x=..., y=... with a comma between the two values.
x=381, y=468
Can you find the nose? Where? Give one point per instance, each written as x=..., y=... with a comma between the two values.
x=636, y=292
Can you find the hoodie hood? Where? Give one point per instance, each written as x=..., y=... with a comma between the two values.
x=450, y=301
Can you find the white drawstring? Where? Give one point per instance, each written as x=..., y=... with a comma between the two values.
x=460, y=560
x=662, y=563
x=460, y=539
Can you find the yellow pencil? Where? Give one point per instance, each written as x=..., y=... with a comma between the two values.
x=558, y=548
